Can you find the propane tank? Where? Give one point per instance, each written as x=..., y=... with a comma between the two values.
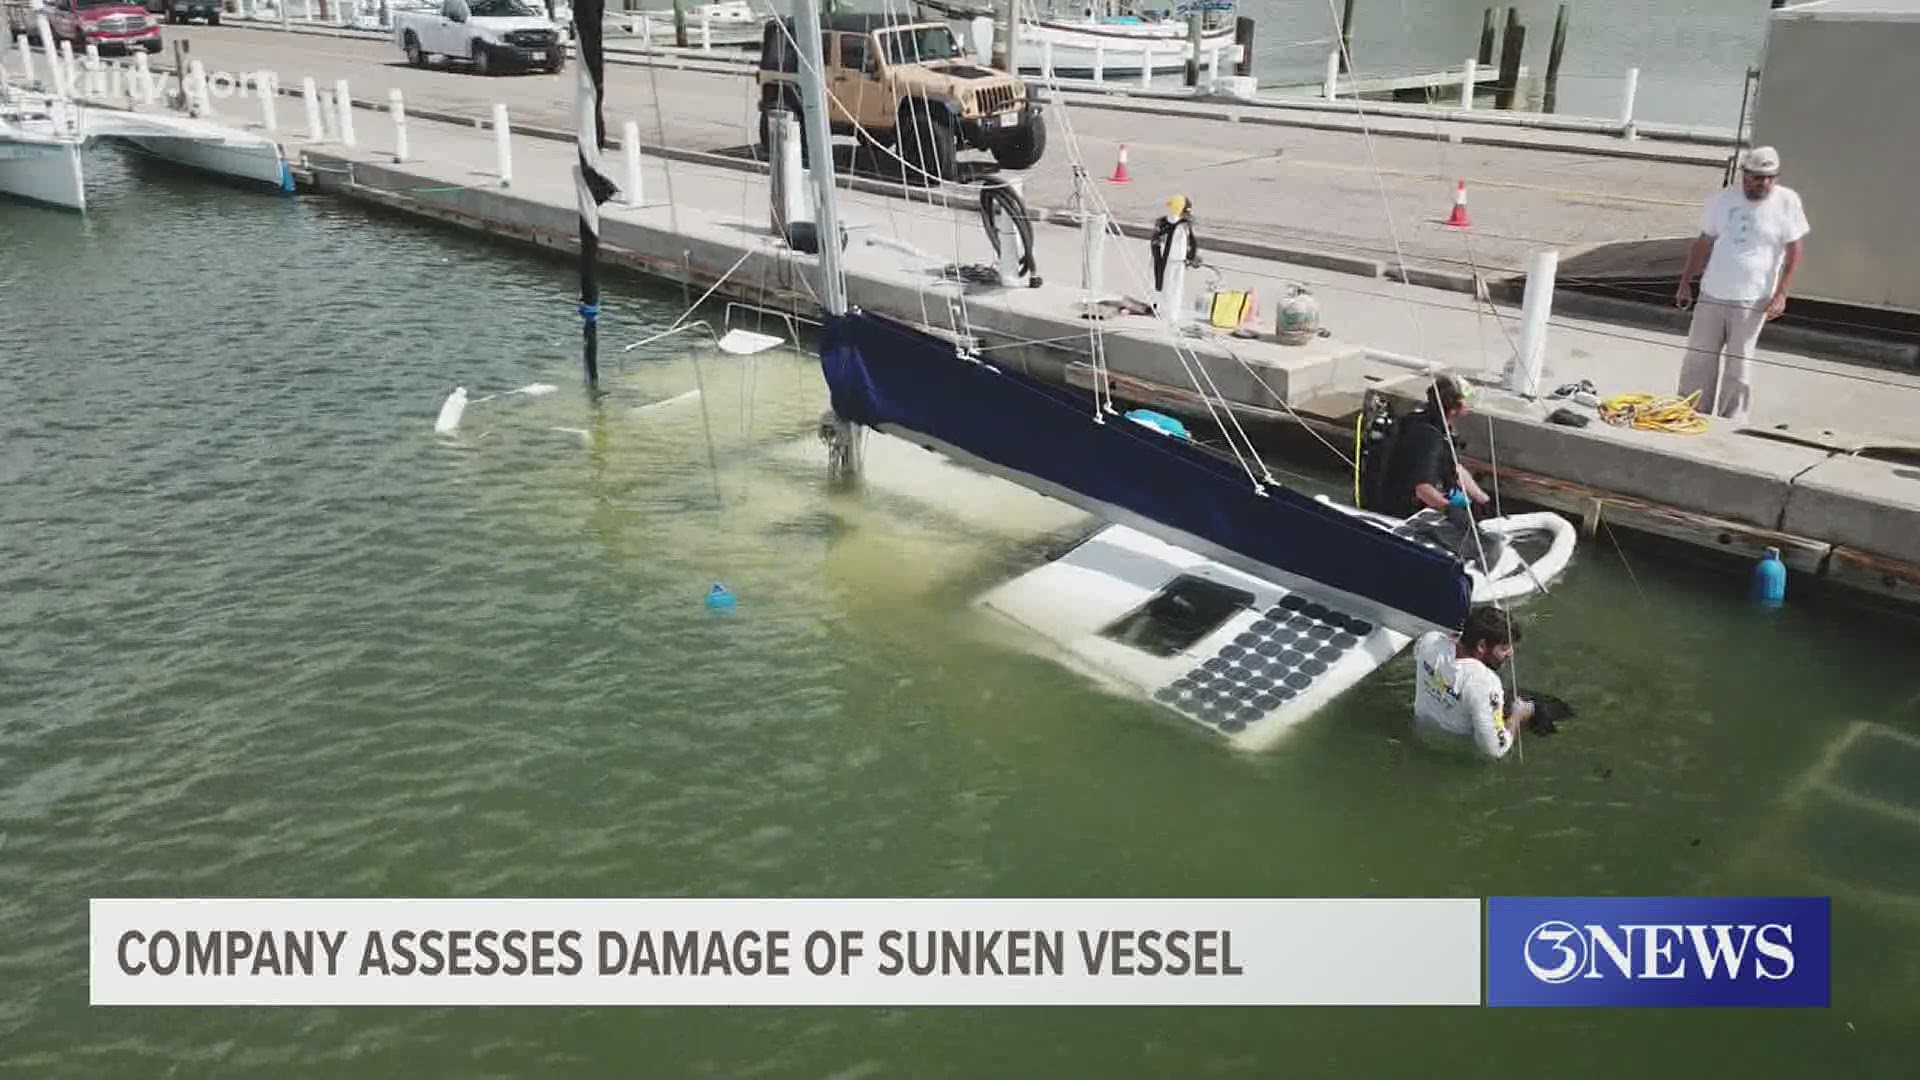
x=1299, y=318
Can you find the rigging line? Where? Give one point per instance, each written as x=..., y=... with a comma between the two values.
x=1373, y=159
x=1188, y=361
x=666, y=161
x=1297, y=418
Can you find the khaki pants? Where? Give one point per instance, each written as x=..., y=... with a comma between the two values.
x=1733, y=326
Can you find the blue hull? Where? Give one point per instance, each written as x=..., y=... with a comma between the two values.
x=885, y=375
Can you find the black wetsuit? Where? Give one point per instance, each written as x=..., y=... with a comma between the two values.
x=1420, y=456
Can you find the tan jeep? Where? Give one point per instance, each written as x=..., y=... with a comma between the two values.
x=903, y=84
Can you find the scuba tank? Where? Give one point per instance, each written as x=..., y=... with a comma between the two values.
x=1299, y=319
x=1375, y=430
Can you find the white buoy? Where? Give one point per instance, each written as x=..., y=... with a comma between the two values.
x=451, y=411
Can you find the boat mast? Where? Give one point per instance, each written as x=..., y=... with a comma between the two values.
x=806, y=29
x=591, y=186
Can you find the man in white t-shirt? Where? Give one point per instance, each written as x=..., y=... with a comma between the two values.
x=1457, y=696
x=1750, y=240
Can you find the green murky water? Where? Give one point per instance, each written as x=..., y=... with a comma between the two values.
x=265, y=634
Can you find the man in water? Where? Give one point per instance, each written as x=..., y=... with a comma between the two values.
x=1457, y=696
x=1750, y=240
x=1423, y=474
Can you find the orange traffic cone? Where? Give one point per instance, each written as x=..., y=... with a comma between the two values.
x=1458, y=219
x=1120, y=175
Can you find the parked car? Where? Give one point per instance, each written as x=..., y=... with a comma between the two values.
x=183, y=11
x=902, y=83
x=492, y=35
x=107, y=24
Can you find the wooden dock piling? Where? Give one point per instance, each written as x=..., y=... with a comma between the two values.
x=1243, y=38
x=1485, y=57
x=1558, y=48
x=1346, y=35
x=1512, y=44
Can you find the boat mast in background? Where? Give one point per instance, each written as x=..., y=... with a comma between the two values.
x=590, y=185
x=806, y=28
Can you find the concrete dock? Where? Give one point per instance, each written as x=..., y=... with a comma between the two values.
x=1829, y=471
x=1272, y=173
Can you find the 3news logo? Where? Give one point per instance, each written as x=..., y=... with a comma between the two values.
x=1659, y=951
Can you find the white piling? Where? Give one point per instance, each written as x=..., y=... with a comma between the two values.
x=1213, y=65
x=199, y=100
x=96, y=73
x=789, y=181
x=630, y=146
x=26, y=57
x=1472, y=73
x=1093, y=256
x=72, y=68
x=1536, y=305
x=503, y=145
x=1099, y=64
x=316, y=121
x=343, y=104
x=646, y=32
x=398, y=107
x=1046, y=60
x=1333, y=75
x=706, y=30
x=269, y=85
x=1626, y=103
x=1146, y=67
x=143, y=77
x=982, y=40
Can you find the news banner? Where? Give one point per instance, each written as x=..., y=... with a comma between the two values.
x=1504, y=951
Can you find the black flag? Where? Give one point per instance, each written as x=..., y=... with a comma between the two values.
x=590, y=185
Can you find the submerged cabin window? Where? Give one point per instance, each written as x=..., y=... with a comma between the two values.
x=1188, y=609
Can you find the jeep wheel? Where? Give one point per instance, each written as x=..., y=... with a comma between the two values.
x=926, y=141
x=482, y=60
x=415, y=55
x=1023, y=148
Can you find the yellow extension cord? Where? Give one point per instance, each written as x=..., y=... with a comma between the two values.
x=1648, y=412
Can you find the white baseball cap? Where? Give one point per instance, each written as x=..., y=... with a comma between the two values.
x=1762, y=161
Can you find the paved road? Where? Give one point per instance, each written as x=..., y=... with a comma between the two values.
x=1298, y=186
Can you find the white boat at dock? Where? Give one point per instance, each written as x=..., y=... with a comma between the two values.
x=42, y=136
x=1118, y=41
x=40, y=144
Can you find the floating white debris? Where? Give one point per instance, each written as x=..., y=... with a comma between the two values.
x=450, y=412
x=674, y=400
x=539, y=389
x=747, y=342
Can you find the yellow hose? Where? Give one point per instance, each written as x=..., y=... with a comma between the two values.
x=1648, y=412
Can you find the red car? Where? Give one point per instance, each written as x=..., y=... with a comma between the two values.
x=109, y=24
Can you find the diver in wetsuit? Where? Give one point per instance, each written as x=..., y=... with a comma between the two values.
x=1423, y=474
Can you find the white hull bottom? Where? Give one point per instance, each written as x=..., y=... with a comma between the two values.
x=258, y=162
x=48, y=173
x=1276, y=657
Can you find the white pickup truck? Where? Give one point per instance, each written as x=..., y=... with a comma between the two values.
x=492, y=35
